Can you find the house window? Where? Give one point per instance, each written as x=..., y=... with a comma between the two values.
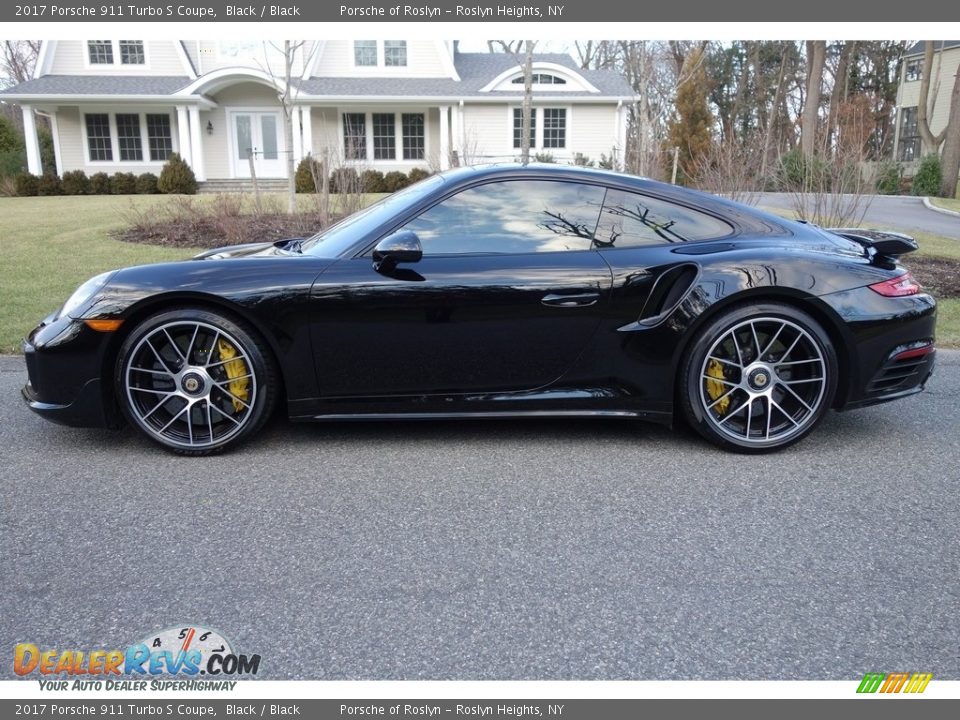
x=384, y=136
x=395, y=53
x=128, y=137
x=159, y=137
x=541, y=79
x=100, y=52
x=131, y=52
x=355, y=136
x=365, y=53
x=914, y=70
x=98, y=137
x=554, y=128
x=909, y=135
x=518, y=126
x=413, y=136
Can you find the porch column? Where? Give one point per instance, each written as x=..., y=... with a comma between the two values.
x=456, y=136
x=297, y=138
x=183, y=133
x=57, y=153
x=444, y=137
x=306, y=124
x=622, y=135
x=34, y=166
x=196, y=144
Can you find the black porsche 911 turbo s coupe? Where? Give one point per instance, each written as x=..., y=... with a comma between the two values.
x=500, y=291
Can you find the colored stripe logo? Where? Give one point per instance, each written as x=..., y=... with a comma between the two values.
x=894, y=682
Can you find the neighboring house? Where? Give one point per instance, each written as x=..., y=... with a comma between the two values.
x=946, y=64
x=125, y=105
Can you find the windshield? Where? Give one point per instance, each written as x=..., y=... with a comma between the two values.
x=341, y=235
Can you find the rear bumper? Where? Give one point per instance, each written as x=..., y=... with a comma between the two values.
x=65, y=383
x=890, y=350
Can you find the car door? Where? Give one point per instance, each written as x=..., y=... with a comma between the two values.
x=508, y=293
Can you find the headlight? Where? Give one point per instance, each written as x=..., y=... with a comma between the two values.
x=83, y=293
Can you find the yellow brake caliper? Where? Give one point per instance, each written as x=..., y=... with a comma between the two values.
x=236, y=370
x=715, y=388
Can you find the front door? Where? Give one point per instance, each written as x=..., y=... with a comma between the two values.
x=258, y=136
x=507, y=295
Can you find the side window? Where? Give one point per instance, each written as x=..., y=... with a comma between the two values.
x=630, y=220
x=518, y=216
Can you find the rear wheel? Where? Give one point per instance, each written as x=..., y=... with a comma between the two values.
x=759, y=378
x=195, y=381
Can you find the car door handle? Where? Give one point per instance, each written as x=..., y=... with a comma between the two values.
x=578, y=300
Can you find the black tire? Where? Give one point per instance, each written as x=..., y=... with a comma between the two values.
x=758, y=378
x=195, y=381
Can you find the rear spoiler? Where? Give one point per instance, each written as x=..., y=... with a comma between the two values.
x=879, y=244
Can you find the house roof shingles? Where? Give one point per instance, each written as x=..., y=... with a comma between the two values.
x=476, y=70
x=917, y=48
x=100, y=85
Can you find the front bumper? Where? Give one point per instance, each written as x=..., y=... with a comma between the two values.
x=65, y=374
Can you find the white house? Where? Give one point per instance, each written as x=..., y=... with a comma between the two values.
x=946, y=64
x=125, y=105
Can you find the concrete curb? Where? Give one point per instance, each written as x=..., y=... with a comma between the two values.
x=930, y=206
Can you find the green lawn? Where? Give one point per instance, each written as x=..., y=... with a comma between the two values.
x=50, y=245
x=947, y=203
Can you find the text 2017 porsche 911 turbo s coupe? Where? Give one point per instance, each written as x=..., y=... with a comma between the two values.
x=500, y=291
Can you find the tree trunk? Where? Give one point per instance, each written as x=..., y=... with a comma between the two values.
x=816, y=56
x=950, y=161
x=839, y=91
x=774, y=114
x=527, y=104
x=930, y=143
x=288, y=112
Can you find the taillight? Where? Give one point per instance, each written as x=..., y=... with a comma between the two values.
x=898, y=286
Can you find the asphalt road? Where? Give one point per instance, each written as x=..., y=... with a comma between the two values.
x=887, y=211
x=498, y=550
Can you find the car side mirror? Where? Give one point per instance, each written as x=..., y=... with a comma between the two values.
x=401, y=247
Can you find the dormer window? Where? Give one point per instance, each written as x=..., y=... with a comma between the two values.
x=380, y=53
x=541, y=79
x=365, y=53
x=131, y=52
x=100, y=51
x=395, y=53
x=105, y=52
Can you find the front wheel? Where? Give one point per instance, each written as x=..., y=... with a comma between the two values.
x=195, y=381
x=758, y=378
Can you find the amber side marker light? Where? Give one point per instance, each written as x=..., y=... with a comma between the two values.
x=108, y=325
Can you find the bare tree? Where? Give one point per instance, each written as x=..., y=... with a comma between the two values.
x=840, y=88
x=289, y=90
x=16, y=66
x=925, y=104
x=19, y=59
x=526, y=62
x=951, y=146
x=816, y=56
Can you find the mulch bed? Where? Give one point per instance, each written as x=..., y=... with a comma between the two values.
x=939, y=276
x=211, y=232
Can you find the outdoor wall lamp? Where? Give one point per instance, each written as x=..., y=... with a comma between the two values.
x=209, y=127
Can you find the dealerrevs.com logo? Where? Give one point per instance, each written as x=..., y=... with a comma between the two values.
x=188, y=651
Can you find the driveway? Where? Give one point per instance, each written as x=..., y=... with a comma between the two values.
x=887, y=211
x=498, y=550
